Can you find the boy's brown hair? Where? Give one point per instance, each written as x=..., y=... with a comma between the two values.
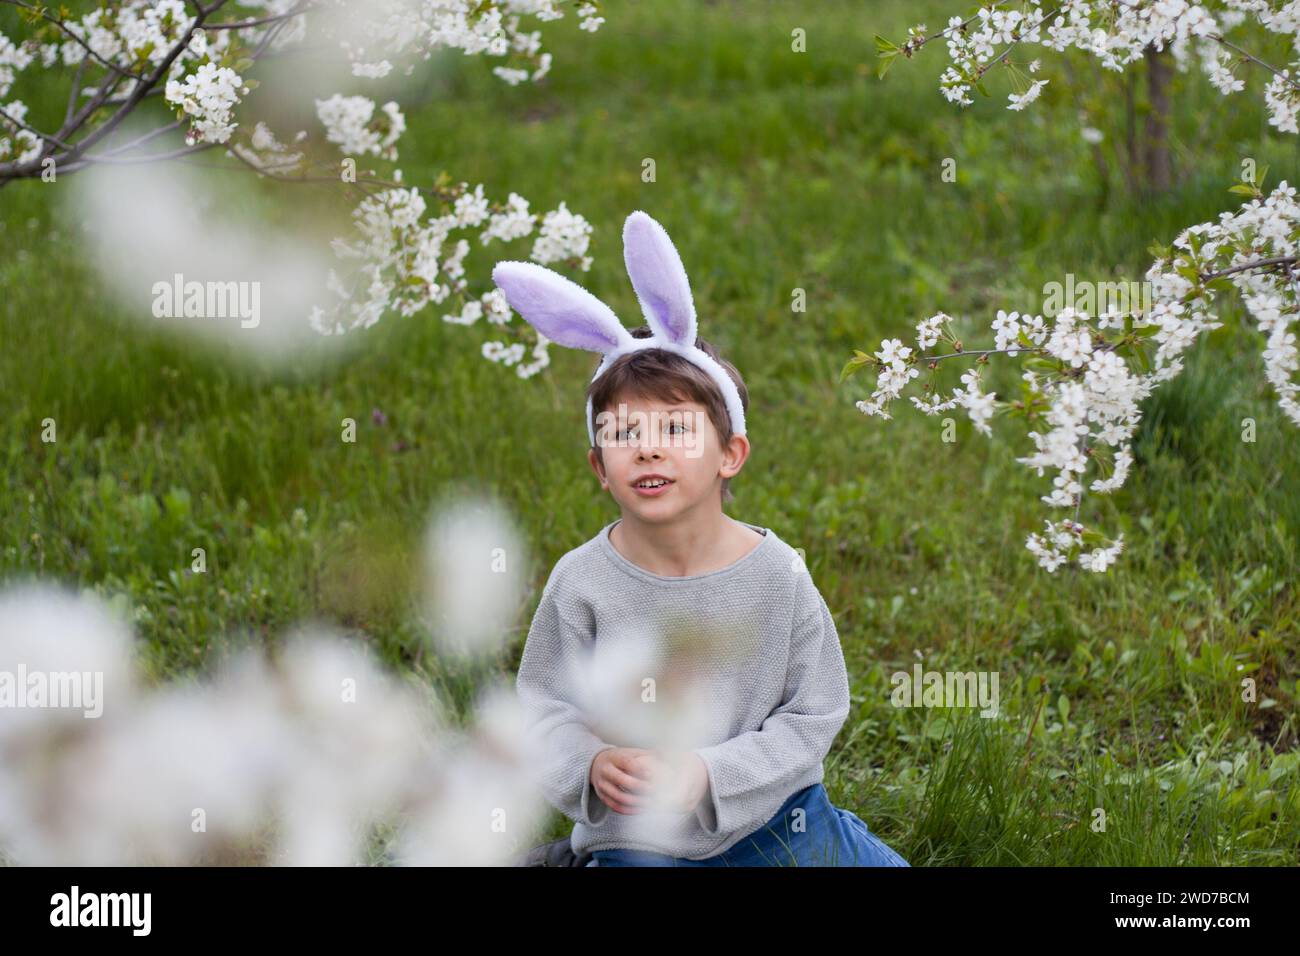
x=657, y=373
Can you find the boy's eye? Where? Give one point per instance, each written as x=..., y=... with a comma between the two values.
x=626, y=433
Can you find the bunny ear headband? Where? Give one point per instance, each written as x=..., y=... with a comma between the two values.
x=564, y=312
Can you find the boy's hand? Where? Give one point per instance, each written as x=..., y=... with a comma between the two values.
x=680, y=779
x=620, y=779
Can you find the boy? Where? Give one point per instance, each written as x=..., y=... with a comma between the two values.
x=710, y=751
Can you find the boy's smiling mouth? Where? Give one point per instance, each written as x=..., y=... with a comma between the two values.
x=652, y=485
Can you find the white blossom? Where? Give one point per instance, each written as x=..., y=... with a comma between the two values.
x=210, y=95
x=350, y=122
x=1020, y=100
x=563, y=235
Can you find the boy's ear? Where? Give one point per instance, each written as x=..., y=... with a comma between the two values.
x=595, y=466
x=734, y=456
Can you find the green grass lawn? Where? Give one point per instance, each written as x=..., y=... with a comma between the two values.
x=774, y=170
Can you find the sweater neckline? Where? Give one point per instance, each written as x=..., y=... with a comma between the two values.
x=637, y=571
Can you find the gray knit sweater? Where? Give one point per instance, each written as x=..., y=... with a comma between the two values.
x=777, y=687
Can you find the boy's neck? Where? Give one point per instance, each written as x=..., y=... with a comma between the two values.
x=685, y=547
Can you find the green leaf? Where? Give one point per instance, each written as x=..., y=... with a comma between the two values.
x=1241, y=190
x=1141, y=355
x=854, y=364
x=1041, y=364
x=887, y=52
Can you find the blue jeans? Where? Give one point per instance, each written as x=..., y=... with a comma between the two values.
x=823, y=835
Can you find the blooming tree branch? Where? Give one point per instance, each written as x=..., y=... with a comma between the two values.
x=1086, y=371
x=200, y=60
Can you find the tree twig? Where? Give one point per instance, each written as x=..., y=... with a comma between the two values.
x=302, y=7
x=1254, y=59
x=1259, y=264
x=139, y=141
x=94, y=158
x=31, y=129
x=936, y=358
x=76, y=90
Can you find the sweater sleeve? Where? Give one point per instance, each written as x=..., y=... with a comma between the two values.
x=559, y=739
x=753, y=773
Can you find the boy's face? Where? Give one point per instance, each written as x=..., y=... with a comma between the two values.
x=646, y=436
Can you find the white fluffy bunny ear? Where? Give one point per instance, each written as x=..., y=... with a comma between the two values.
x=560, y=309
x=659, y=279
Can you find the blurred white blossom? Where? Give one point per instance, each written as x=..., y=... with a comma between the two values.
x=476, y=568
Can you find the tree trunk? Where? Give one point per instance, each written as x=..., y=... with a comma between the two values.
x=1159, y=168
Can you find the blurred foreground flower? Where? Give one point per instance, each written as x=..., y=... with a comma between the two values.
x=284, y=760
x=476, y=565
